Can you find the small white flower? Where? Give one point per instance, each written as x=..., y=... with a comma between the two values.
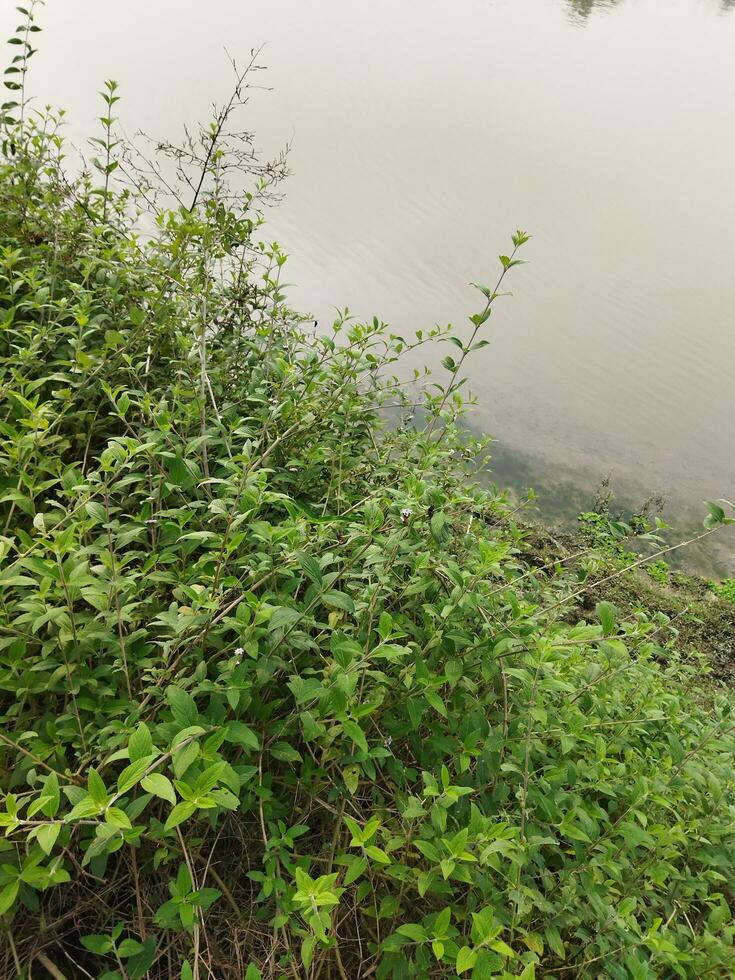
x=405, y=514
x=238, y=653
x=152, y=520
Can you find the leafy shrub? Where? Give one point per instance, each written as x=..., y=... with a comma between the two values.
x=725, y=588
x=610, y=536
x=280, y=695
x=659, y=571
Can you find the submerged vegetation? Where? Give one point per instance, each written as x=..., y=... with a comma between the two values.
x=283, y=691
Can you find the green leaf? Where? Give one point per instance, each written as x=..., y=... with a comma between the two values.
x=183, y=707
x=553, y=938
x=135, y=807
x=345, y=649
x=51, y=795
x=132, y=774
x=414, y=931
x=716, y=514
x=466, y=959
x=377, y=854
x=358, y=834
x=441, y=923
x=436, y=702
x=118, y=818
x=413, y=809
x=184, y=757
x=310, y=567
x=353, y=731
x=351, y=776
x=357, y=867
x=307, y=951
x=180, y=813
x=47, y=835
x=438, y=526
x=8, y=579
x=85, y=808
x=285, y=752
x=140, y=744
x=428, y=850
x=284, y=618
x=209, y=778
x=8, y=895
x=484, y=926
x=129, y=947
x=140, y=963
x=160, y=786
x=205, y=897
x=96, y=511
x=96, y=788
x=97, y=944
x=607, y=614
x=339, y=600
x=183, y=881
x=503, y=948
x=239, y=733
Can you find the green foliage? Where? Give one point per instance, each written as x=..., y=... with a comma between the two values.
x=278, y=693
x=725, y=588
x=659, y=571
x=611, y=535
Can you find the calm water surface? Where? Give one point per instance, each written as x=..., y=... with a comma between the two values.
x=424, y=132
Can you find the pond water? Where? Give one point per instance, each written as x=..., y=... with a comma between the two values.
x=423, y=133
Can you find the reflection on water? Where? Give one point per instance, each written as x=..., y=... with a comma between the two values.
x=583, y=8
